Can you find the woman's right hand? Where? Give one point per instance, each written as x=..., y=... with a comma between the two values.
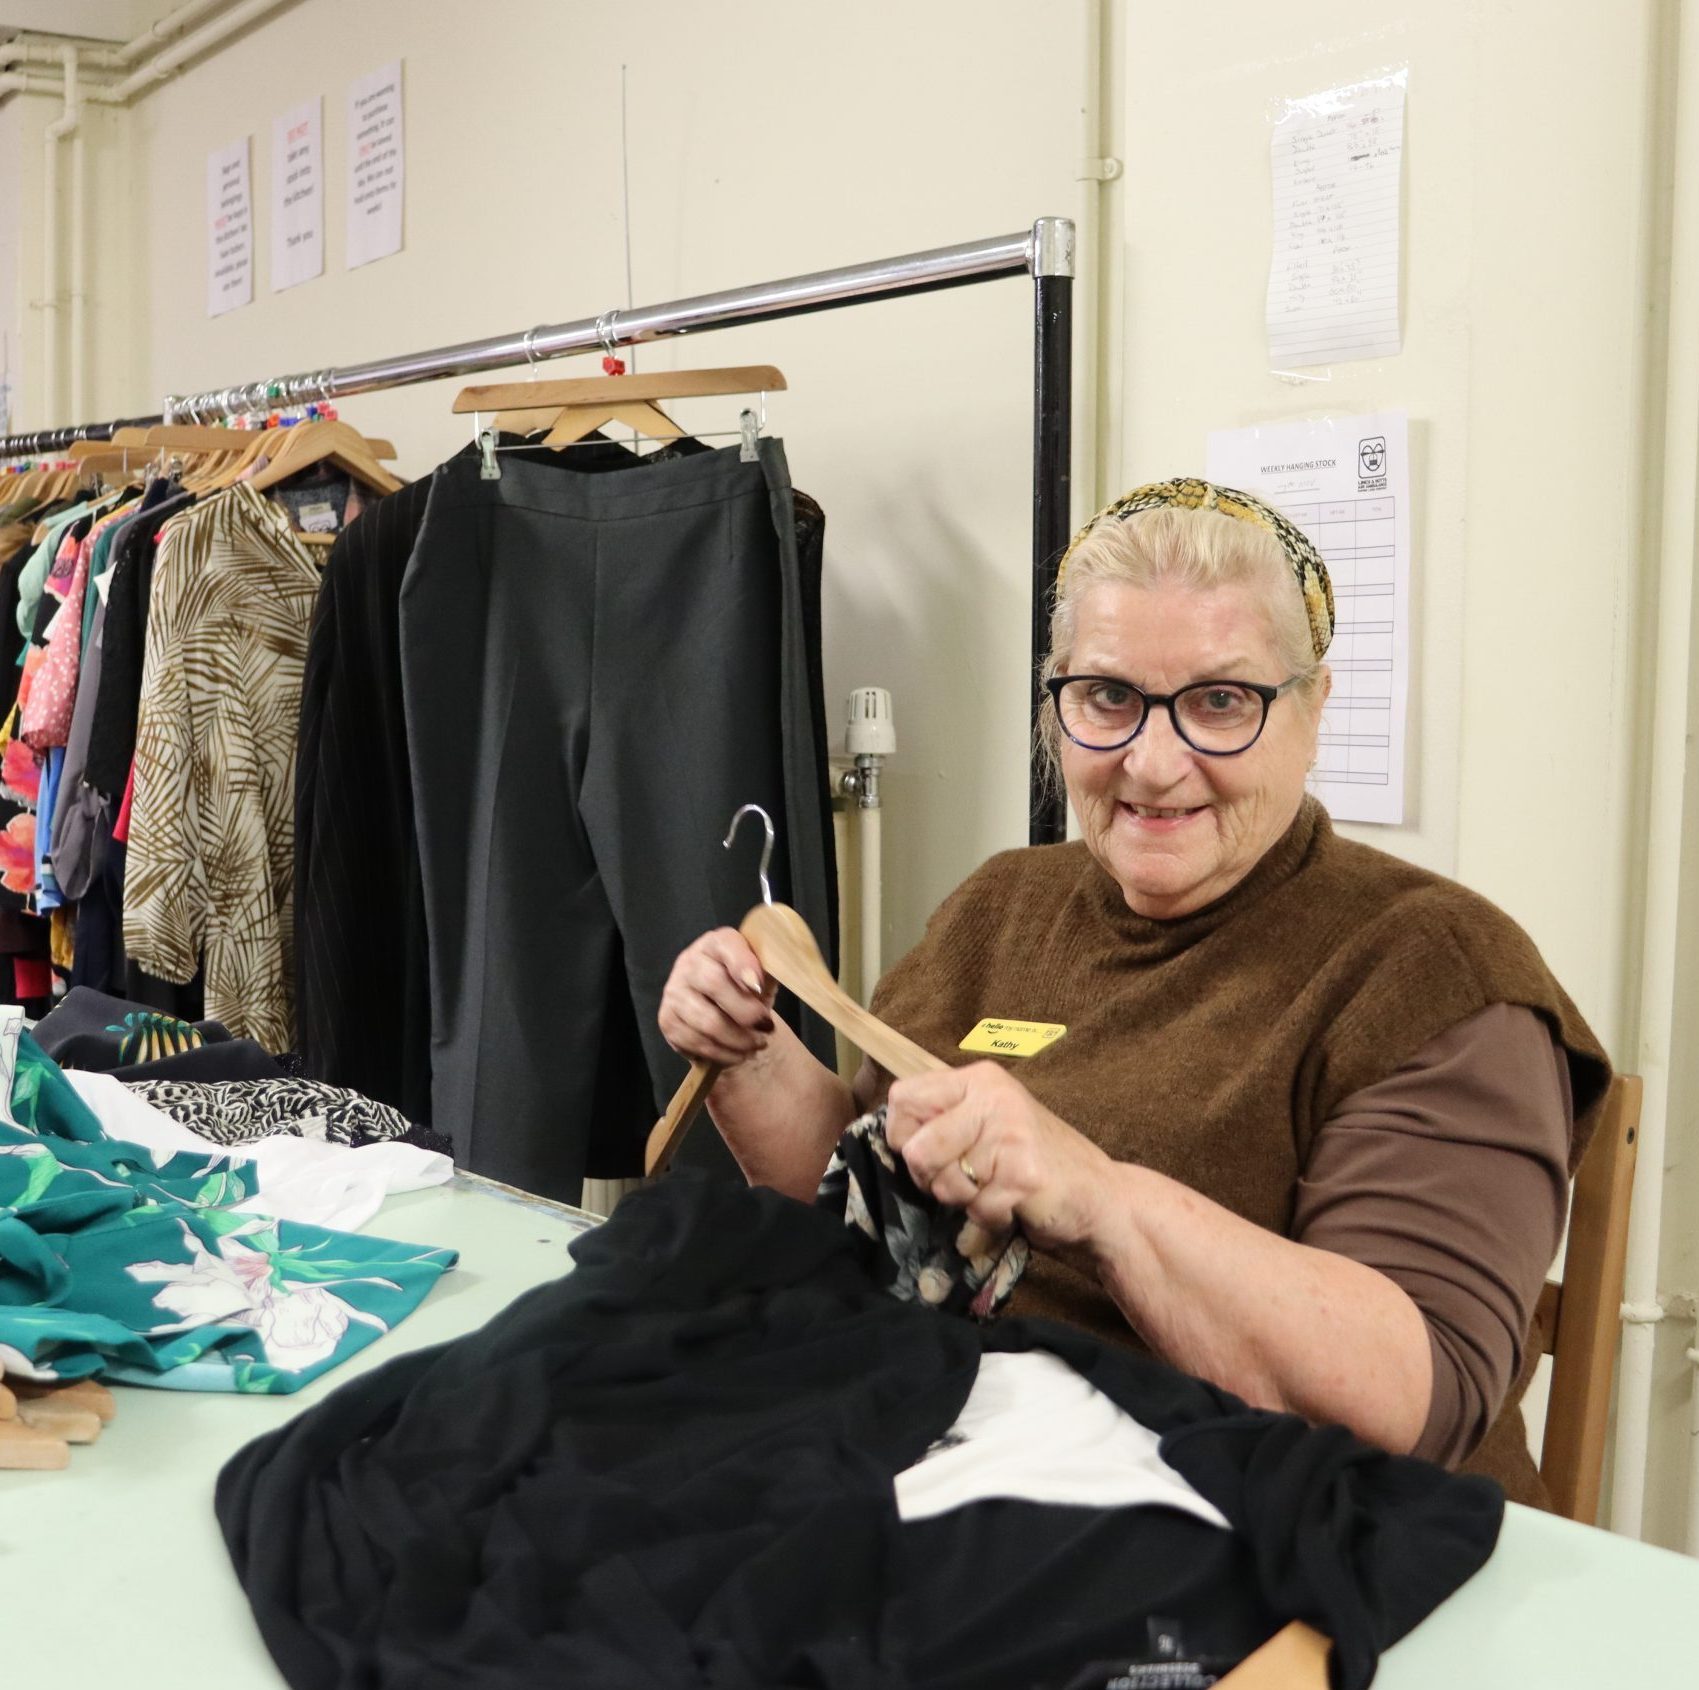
x=717, y=1005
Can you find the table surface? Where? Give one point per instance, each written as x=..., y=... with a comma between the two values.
x=125, y=1538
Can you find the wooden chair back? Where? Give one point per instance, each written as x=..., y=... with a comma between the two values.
x=1580, y=1317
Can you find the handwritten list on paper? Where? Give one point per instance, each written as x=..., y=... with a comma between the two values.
x=1333, y=282
x=230, y=230
x=297, y=195
x=376, y=166
x=1346, y=482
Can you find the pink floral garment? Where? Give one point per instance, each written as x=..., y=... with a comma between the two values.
x=53, y=687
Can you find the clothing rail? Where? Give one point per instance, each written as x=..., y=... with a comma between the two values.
x=1045, y=252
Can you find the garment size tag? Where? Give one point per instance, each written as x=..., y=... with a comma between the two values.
x=318, y=519
x=995, y=1037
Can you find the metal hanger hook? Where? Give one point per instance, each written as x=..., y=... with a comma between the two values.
x=766, y=848
x=605, y=332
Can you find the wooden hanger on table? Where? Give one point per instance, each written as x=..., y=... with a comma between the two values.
x=574, y=407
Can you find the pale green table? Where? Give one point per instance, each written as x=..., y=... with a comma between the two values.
x=118, y=1565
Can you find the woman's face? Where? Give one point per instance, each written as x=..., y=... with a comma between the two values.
x=1175, y=828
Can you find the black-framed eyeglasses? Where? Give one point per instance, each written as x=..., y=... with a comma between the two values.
x=1216, y=718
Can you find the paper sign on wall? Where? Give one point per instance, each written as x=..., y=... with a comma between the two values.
x=1346, y=482
x=1333, y=282
x=229, y=230
x=297, y=195
x=376, y=162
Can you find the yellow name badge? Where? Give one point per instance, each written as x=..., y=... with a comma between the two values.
x=994, y=1037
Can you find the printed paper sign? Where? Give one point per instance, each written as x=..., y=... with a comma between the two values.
x=229, y=231
x=376, y=166
x=1346, y=482
x=297, y=195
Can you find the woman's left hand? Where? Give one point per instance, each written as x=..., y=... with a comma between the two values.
x=978, y=1140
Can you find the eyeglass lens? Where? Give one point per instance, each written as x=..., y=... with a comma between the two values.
x=1212, y=716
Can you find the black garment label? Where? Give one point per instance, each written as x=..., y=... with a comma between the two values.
x=1165, y=1665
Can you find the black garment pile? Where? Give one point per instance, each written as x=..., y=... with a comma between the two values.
x=674, y=1466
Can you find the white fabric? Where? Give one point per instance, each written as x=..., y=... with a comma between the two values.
x=1033, y=1430
x=301, y=1179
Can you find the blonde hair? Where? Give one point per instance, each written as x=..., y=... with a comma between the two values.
x=1197, y=549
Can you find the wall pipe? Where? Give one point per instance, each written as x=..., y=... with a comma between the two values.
x=163, y=29
x=1691, y=1541
x=191, y=46
x=1668, y=783
x=147, y=76
x=62, y=125
x=870, y=868
x=79, y=267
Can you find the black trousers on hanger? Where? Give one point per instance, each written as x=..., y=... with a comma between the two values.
x=597, y=670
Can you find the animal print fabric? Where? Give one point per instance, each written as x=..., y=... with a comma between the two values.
x=209, y=875
x=240, y=1111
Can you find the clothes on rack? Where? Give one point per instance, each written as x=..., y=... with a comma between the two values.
x=559, y=1056
x=211, y=848
x=599, y=666
x=362, y=983
x=701, y=1458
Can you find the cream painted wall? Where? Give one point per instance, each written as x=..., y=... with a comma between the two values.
x=765, y=139
x=1534, y=155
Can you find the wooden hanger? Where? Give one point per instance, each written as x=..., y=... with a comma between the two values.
x=334, y=443
x=786, y=948
x=585, y=403
x=184, y=437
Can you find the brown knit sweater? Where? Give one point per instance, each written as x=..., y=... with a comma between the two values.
x=1214, y=1047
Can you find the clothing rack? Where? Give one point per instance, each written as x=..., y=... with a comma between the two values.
x=1045, y=252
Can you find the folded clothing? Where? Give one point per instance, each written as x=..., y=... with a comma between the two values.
x=110, y=1035
x=238, y=1112
x=115, y=1262
x=300, y=1179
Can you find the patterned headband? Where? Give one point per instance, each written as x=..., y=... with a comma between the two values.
x=1186, y=493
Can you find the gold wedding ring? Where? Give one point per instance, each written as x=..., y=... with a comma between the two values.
x=967, y=1168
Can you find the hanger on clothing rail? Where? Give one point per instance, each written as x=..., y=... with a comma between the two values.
x=189, y=437
x=308, y=443
x=582, y=404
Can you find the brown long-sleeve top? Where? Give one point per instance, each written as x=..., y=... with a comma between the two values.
x=1346, y=1049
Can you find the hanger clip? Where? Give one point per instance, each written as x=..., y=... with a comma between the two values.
x=749, y=425
x=488, y=468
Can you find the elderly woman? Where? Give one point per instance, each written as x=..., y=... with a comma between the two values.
x=1309, y=1128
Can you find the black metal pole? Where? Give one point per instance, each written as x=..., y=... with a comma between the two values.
x=1052, y=441
x=44, y=442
